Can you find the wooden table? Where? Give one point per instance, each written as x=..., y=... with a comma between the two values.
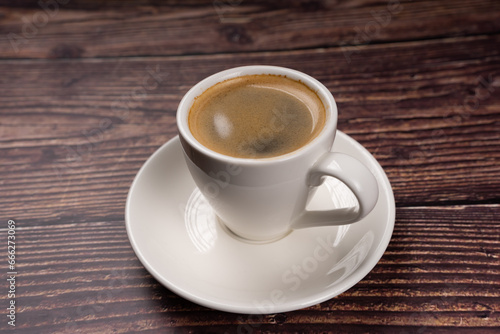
x=89, y=90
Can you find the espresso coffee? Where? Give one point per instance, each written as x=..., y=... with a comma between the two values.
x=256, y=116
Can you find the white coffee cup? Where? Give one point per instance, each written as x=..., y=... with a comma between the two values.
x=265, y=199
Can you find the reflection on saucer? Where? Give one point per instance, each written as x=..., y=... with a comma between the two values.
x=337, y=194
x=341, y=195
x=341, y=233
x=201, y=222
x=349, y=263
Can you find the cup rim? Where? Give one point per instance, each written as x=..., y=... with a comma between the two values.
x=325, y=95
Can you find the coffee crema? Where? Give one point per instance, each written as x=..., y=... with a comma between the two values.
x=256, y=116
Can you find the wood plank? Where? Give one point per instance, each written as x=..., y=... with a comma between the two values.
x=74, y=29
x=85, y=276
x=73, y=133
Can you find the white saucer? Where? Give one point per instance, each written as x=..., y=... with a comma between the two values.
x=177, y=238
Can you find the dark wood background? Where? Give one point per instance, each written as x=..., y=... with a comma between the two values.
x=89, y=90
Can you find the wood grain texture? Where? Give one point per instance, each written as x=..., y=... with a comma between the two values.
x=76, y=29
x=88, y=125
x=441, y=270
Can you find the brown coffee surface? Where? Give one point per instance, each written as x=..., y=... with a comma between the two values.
x=257, y=116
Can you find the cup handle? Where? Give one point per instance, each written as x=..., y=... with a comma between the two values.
x=353, y=174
